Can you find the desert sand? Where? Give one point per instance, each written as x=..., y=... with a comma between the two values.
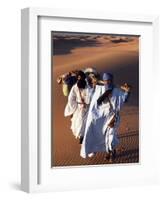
x=116, y=54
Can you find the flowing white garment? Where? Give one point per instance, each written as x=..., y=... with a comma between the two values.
x=79, y=110
x=98, y=137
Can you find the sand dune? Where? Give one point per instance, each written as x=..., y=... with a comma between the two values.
x=92, y=56
x=120, y=58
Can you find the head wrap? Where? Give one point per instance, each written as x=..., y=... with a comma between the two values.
x=81, y=74
x=107, y=76
x=90, y=71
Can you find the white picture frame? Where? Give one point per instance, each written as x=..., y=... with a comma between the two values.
x=36, y=173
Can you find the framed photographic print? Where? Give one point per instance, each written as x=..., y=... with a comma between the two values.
x=88, y=114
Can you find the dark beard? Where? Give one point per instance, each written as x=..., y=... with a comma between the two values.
x=81, y=84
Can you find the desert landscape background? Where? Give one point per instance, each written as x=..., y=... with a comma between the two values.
x=117, y=54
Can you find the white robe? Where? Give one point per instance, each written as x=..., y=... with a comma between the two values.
x=77, y=109
x=98, y=137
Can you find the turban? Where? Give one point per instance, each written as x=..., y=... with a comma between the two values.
x=107, y=76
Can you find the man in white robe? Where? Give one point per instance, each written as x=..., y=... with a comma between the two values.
x=78, y=105
x=103, y=119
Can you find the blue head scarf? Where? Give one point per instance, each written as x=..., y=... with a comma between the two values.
x=106, y=77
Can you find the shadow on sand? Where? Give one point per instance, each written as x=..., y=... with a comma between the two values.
x=62, y=46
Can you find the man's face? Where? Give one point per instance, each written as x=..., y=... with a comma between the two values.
x=94, y=81
x=79, y=77
x=107, y=82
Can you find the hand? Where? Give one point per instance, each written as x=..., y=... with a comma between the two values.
x=126, y=87
x=59, y=80
x=112, y=123
x=103, y=97
x=71, y=116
